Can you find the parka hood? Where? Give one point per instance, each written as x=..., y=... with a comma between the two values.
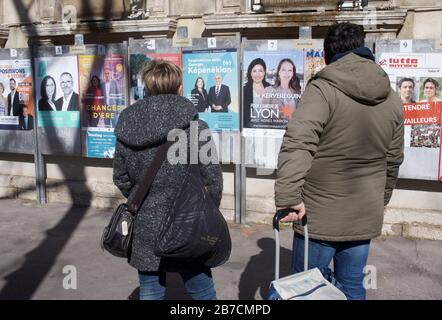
x=359, y=78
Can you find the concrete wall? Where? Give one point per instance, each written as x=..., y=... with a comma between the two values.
x=427, y=24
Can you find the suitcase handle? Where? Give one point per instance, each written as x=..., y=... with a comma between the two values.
x=282, y=213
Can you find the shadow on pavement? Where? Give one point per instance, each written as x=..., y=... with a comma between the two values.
x=260, y=270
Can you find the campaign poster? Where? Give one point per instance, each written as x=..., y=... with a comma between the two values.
x=103, y=98
x=417, y=79
x=16, y=96
x=314, y=62
x=136, y=63
x=273, y=83
x=57, y=91
x=211, y=83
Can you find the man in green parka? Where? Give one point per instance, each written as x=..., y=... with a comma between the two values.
x=340, y=158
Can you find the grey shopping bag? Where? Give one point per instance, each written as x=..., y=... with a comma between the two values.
x=306, y=285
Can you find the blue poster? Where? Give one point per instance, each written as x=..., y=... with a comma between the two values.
x=100, y=144
x=211, y=83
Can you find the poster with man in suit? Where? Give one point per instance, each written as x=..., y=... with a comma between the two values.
x=103, y=98
x=57, y=91
x=219, y=95
x=69, y=100
x=15, y=92
x=219, y=70
x=26, y=120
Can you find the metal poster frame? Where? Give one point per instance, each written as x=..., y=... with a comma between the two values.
x=275, y=137
x=68, y=140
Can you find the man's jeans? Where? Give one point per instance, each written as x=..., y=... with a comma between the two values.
x=349, y=260
x=199, y=285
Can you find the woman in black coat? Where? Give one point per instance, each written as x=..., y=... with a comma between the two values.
x=199, y=95
x=141, y=129
x=254, y=88
x=48, y=92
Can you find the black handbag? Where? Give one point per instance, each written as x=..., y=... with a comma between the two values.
x=194, y=231
x=117, y=235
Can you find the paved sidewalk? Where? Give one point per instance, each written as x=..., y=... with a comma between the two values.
x=38, y=242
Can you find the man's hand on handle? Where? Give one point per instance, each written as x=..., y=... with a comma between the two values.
x=293, y=216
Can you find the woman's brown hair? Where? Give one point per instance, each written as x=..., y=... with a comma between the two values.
x=161, y=77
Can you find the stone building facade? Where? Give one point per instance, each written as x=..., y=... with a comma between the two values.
x=416, y=207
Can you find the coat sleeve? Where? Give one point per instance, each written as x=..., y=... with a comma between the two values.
x=395, y=157
x=120, y=174
x=299, y=146
x=209, y=164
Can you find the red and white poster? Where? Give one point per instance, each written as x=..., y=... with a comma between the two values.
x=417, y=78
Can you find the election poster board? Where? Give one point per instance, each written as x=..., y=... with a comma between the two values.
x=16, y=101
x=211, y=83
x=102, y=72
x=57, y=100
x=415, y=71
x=143, y=51
x=275, y=73
x=206, y=62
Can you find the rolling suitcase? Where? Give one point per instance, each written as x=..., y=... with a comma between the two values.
x=306, y=285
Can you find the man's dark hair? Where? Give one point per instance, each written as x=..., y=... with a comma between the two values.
x=436, y=84
x=342, y=37
x=403, y=80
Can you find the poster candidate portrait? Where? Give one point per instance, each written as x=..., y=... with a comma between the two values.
x=430, y=89
x=57, y=91
x=406, y=89
x=57, y=83
x=211, y=83
x=16, y=95
x=272, y=88
x=102, y=82
x=199, y=95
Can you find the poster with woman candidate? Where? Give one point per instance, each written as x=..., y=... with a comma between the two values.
x=57, y=92
x=16, y=100
x=272, y=85
x=417, y=79
x=136, y=63
x=103, y=97
x=211, y=83
x=273, y=82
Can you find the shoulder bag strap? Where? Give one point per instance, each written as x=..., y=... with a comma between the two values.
x=135, y=203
